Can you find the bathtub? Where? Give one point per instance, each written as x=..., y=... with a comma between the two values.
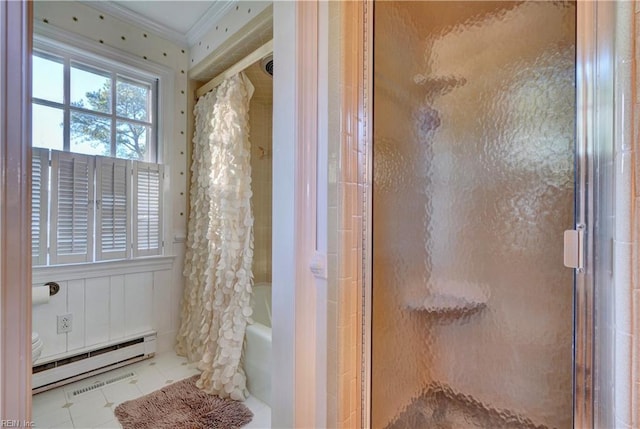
x=257, y=356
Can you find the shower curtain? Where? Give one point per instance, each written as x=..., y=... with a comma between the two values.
x=218, y=278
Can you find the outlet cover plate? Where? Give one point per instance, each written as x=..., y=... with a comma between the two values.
x=65, y=323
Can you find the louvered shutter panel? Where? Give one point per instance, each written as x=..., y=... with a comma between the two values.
x=147, y=206
x=112, y=205
x=39, y=204
x=71, y=208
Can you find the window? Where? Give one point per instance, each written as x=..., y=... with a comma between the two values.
x=84, y=109
x=97, y=189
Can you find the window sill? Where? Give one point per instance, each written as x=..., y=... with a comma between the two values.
x=42, y=275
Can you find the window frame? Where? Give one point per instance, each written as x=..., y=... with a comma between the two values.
x=55, y=40
x=73, y=58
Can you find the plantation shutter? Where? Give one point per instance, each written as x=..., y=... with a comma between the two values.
x=112, y=205
x=39, y=204
x=71, y=208
x=147, y=207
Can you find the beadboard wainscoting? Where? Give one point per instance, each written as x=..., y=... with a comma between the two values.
x=109, y=302
x=112, y=301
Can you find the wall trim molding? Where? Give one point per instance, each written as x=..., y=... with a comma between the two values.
x=16, y=20
x=42, y=275
x=284, y=156
x=206, y=22
x=133, y=18
x=308, y=347
x=365, y=140
x=212, y=16
x=216, y=59
x=48, y=34
x=299, y=348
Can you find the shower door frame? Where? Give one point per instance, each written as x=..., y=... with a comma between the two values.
x=594, y=80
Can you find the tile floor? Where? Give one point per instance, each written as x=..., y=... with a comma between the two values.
x=94, y=409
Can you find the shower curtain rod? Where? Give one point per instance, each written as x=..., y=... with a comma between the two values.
x=254, y=56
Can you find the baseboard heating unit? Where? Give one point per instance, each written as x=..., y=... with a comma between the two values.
x=72, y=368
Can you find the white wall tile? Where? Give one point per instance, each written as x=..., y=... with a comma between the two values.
x=623, y=196
x=623, y=382
x=627, y=338
x=260, y=121
x=620, y=424
x=623, y=285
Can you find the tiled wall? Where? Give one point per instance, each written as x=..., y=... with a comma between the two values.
x=78, y=18
x=344, y=224
x=260, y=118
x=618, y=320
x=335, y=40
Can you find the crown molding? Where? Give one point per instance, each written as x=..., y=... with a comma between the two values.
x=48, y=36
x=210, y=18
x=133, y=18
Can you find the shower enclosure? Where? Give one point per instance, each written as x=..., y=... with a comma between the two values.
x=474, y=182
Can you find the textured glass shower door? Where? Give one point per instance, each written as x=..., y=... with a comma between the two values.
x=473, y=186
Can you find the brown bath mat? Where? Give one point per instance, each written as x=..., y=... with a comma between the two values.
x=182, y=405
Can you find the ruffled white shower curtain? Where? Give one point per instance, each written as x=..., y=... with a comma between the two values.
x=216, y=304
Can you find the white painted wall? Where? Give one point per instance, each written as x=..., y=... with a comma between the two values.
x=131, y=299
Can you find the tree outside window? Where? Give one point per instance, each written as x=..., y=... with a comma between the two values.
x=108, y=114
x=131, y=138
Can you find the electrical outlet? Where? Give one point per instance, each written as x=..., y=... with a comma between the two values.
x=65, y=323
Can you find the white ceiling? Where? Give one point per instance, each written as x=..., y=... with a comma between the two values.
x=180, y=16
x=180, y=21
